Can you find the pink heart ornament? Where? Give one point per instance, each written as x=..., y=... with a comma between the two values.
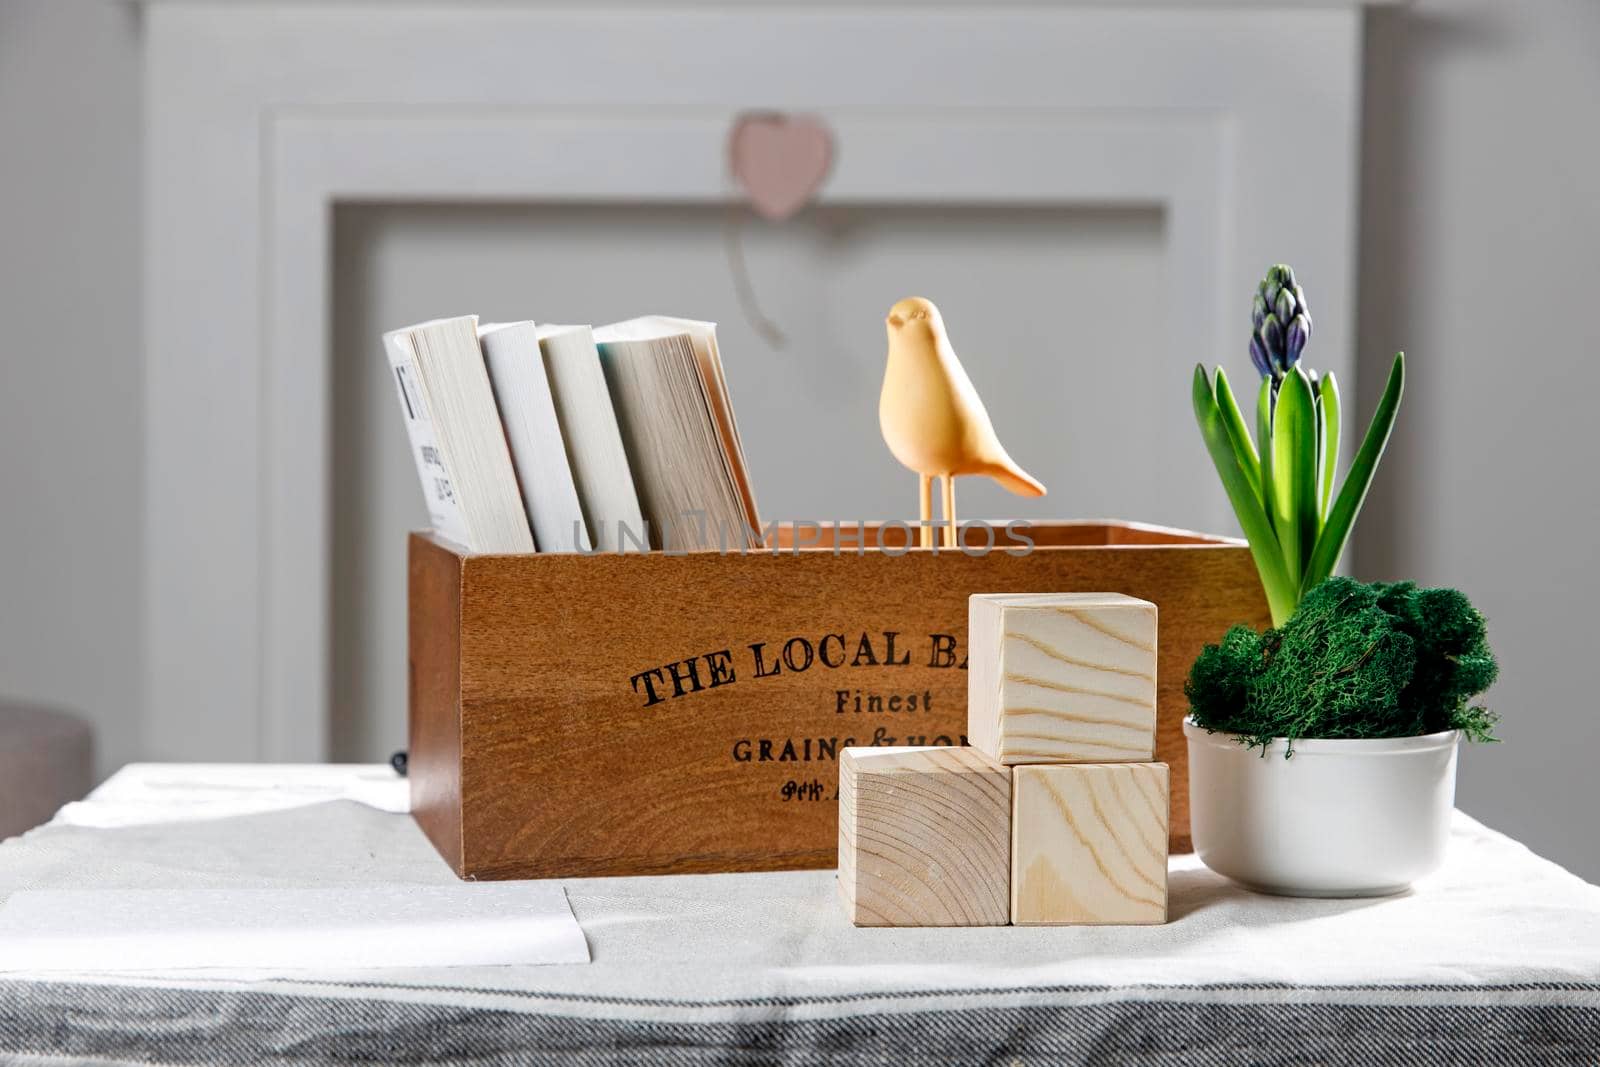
x=779, y=160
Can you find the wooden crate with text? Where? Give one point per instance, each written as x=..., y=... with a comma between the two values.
x=649, y=713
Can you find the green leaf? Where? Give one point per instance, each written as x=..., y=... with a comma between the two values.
x=1281, y=592
x=1264, y=442
x=1328, y=401
x=1243, y=448
x=1342, y=517
x=1316, y=421
x=1294, y=471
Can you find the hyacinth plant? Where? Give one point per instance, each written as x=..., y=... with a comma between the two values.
x=1280, y=479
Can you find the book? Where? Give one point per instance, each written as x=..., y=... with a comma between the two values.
x=511, y=352
x=595, y=454
x=671, y=401
x=456, y=437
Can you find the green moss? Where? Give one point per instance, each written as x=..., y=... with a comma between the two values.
x=1355, y=660
x=1220, y=679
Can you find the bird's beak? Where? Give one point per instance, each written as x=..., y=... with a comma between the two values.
x=896, y=321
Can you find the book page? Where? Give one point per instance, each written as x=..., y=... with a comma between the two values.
x=703, y=335
x=672, y=441
x=466, y=422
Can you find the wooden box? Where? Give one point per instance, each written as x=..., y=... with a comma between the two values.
x=648, y=714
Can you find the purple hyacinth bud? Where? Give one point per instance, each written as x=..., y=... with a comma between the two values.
x=1283, y=307
x=1295, y=340
x=1258, y=356
x=1272, y=341
x=1280, y=323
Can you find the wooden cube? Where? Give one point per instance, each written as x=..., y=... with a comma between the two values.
x=1061, y=677
x=1089, y=844
x=924, y=837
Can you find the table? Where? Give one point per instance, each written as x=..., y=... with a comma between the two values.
x=1496, y=959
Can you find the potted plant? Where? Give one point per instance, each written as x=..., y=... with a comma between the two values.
x=1322, y=753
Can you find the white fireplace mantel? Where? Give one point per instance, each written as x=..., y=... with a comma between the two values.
x=1239, y=122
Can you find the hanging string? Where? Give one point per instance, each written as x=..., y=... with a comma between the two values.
x=733, y=246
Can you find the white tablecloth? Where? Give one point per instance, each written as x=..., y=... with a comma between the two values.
x=1494, y=959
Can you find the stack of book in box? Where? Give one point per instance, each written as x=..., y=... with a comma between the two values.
x=566, y=439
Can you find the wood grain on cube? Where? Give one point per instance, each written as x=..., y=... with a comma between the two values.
x=1089, y=844
x=1062, y=677
x=924, y=837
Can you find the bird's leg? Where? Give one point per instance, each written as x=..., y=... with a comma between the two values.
x=925, y=530
x=950, y=511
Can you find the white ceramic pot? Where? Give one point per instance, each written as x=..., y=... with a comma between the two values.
x=1352, y=818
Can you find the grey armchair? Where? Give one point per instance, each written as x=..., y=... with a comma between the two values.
x=46, y=760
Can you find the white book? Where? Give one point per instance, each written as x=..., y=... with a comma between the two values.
x=671, y=400
x=594, y=445
x=444, y=510
x=456, y=436
x=522, y=392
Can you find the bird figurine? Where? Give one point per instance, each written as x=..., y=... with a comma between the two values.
x=932, y=418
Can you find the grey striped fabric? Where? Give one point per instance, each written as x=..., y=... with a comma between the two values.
x=101, y=1023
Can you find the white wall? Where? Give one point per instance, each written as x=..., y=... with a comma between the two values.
x=1479, y=253
x=1480, y=226
x=70, y=396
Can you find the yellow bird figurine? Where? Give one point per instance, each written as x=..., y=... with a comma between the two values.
x=932, y=418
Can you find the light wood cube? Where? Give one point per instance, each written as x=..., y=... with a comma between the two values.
x=1061, y=677
x=1089, y=844
x=924, y=837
